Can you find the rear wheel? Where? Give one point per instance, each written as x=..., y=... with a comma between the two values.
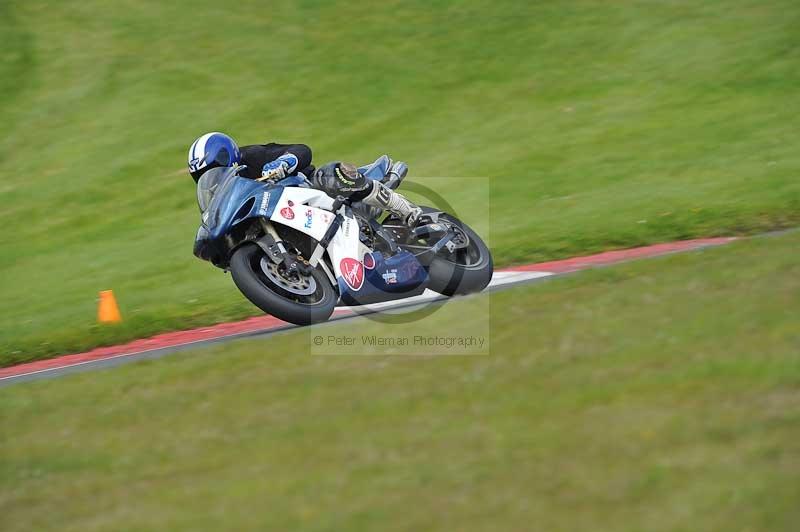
x=465, y=270
x=291, y=296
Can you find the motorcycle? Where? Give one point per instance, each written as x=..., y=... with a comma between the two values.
x=297, y=253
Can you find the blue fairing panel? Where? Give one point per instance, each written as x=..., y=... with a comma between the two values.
x=389, y=278
x=268, y=201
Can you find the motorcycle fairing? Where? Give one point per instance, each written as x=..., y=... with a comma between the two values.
x=388, y=278
x=298, y=208
x=236, y=201
x=231, y=200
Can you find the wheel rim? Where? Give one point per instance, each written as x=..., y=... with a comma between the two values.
x=296, y=284
x=468, y=254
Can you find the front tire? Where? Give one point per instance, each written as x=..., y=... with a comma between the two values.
x=295, y=298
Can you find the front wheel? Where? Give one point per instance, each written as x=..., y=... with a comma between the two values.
x=465, y=270
x=290, y=296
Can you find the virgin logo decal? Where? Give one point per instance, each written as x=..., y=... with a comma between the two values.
x=352, y=273
x=287, y=213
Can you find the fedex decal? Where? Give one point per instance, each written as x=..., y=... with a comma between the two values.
x=352, y=272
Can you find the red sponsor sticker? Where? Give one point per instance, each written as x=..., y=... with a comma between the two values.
x=352, y=272
x=287, y=213
x=369, y=261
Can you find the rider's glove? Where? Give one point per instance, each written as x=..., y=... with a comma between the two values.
x=279, y=168
x=273, y=170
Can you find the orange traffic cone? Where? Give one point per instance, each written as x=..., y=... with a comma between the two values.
x=107, y=310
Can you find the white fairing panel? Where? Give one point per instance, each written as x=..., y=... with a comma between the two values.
x=345, y=244
x=299, y=208
x=308, y=211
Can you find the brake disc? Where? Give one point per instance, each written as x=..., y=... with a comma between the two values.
x=297, y=283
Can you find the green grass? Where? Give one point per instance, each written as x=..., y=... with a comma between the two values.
x=658, y=395
x=600, y=125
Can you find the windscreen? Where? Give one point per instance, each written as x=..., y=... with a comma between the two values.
x=210, y=183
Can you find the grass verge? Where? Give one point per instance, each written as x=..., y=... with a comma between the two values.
x=657, y=395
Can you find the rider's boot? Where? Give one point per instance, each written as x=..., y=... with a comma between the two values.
x=385, y=198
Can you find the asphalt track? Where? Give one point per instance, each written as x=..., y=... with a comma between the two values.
x=261, y=326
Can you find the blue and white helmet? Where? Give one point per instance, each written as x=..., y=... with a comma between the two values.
x=210, y=151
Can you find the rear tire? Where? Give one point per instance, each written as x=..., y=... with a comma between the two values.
x=465, y=271
x=256, y=285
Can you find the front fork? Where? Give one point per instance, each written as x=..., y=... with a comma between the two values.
x=322, y=245
x=272, y=245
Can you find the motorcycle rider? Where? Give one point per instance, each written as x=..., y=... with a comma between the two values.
x=267, y=162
